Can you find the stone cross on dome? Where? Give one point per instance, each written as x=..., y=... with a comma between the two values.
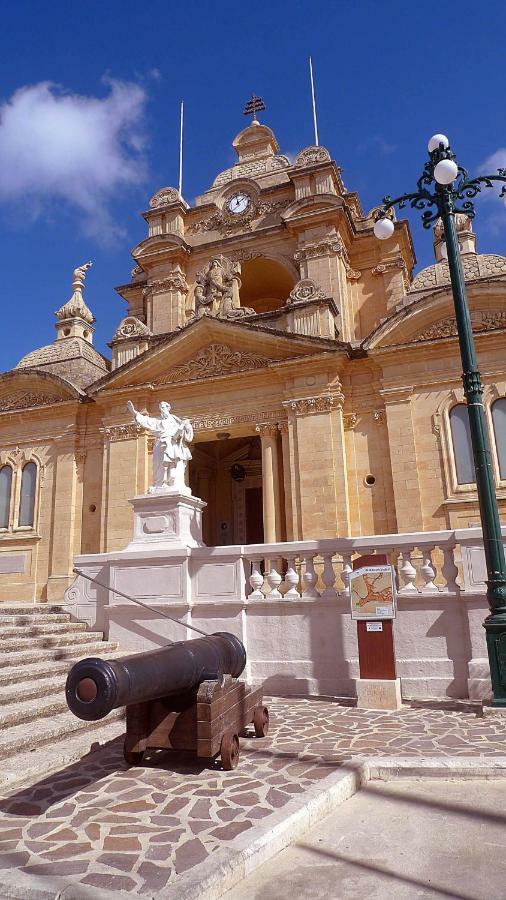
x=256, y=104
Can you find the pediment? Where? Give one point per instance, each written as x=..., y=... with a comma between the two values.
x=432, y=318
x=28, y=389
x=211, y=348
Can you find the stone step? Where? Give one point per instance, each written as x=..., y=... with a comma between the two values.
x=52, y=654
x=27, y=767
x=31, y=710
x=18, y=691
x=50, y=628
x=25, y=737
x=47, y=642
x=31, y=609
x=37, y=672
x=28, y=620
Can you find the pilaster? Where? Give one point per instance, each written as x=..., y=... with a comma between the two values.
x=316, y=423
x=405, y=477
x=166, y=301
x=66, y=518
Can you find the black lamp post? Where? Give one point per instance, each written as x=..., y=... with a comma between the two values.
x=444, y=188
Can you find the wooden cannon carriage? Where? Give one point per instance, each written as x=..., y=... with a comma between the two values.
x=207, y=721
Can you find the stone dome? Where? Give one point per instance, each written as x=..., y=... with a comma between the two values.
x=483, y=265
x=73, y=359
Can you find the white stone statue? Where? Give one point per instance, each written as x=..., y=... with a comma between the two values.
x=171, y=452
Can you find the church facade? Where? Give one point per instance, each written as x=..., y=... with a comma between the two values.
x=321, y=378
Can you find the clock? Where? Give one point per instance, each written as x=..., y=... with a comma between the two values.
x=239, y=203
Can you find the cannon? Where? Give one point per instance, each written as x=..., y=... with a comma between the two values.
x=185, y=696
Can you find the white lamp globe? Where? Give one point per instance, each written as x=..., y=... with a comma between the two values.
x=446, y=171
x=383, y=228
x=436, y=140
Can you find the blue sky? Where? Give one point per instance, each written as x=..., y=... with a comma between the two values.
x=89, y=120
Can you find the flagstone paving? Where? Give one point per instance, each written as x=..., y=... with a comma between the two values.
x=104, y=825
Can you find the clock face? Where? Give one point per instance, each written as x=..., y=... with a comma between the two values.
x=238, y=203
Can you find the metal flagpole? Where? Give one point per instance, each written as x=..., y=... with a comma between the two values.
x=181, y=150
x=314, y=103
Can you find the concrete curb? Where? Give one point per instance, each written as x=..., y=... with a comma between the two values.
x=224, y=869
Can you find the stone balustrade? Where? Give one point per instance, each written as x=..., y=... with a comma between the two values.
x=426, y=563
x=289, y=604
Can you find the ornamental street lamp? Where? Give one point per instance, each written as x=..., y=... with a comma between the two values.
x=444, y=188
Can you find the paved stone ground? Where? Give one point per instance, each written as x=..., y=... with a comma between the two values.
x=104, y=825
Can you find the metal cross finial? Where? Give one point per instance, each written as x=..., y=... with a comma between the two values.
x=256, y=104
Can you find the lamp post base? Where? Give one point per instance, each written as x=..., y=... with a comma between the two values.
x=495, y=627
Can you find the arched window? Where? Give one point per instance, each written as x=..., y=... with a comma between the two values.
x=499, y=421
x=5, y=495
x=462, y=448
x=27, y=499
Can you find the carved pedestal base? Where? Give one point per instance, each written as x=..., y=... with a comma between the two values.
x=171, y=518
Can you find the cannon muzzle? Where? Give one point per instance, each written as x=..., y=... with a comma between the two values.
x=97, y=686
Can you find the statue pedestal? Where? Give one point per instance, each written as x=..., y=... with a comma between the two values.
x=168, y=520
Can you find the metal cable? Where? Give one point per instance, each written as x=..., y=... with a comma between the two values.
x=144, y=605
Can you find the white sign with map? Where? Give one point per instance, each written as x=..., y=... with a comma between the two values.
x=372, y=593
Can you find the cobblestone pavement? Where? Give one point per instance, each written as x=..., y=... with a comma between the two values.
x=104, y=825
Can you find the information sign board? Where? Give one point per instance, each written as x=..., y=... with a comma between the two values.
x=372, y=593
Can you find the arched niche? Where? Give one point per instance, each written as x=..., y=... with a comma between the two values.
x=266, y=284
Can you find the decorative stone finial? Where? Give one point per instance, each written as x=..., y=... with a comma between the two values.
x=74, y=316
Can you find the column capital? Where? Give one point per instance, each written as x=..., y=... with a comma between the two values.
x=304, y=406
x=267, y=429
x=283, y=427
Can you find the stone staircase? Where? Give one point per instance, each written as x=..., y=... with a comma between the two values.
x=38, y=646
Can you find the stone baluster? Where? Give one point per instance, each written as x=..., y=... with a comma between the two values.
x=449, y=569
x=408, y=573
x=291, y=580
x=274, y=579
x=345, y=572
x=309, y=579
x=328, y=577
x=256, y=580
x=428, y=572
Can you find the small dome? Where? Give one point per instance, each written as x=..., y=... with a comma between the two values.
x=73, y=359
x=483, y=265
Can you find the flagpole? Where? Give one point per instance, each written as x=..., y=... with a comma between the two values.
x=314, y=102
x=181, y=149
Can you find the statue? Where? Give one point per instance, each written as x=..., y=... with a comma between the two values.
x=216, y=291
x=171, y=452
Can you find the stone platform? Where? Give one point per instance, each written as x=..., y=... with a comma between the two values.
x=101, y=826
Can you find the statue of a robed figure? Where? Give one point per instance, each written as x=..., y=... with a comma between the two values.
x=171, y=451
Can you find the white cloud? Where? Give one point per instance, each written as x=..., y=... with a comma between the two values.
x=58, y=146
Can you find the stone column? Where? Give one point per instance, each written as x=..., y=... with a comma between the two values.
x=287, y=479
x=270, y=482
x=204, y=478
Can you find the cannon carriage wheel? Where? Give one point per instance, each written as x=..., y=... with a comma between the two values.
x=229, y=750
x=261, y=721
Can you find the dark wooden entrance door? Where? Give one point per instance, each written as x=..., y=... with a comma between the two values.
x=254, y=515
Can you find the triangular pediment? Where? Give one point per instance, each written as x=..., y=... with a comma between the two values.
x=432, y=318
x=29, y=388
x=211, y=348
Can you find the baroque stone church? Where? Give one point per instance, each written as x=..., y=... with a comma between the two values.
x=322, y=379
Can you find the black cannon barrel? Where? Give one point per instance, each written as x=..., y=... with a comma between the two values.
x=96, y=686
